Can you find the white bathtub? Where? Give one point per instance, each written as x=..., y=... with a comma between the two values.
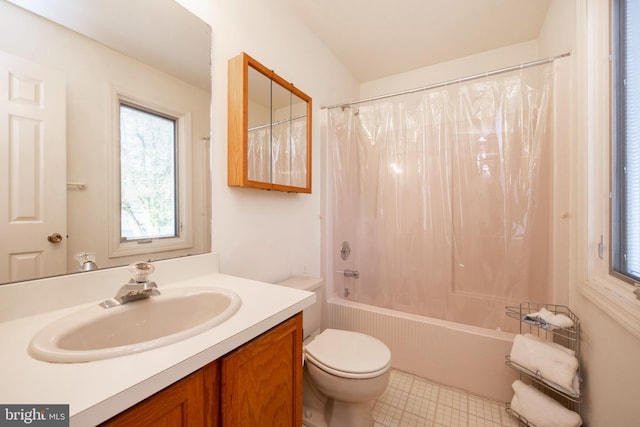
x=449, y=353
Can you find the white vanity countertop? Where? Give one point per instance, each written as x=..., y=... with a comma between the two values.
x=98, y=390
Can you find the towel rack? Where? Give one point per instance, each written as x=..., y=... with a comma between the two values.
x=545, y=382
x=567, y=337
x=521, y=420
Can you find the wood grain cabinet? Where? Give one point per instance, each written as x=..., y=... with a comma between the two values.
x=269, y=129
x=258, y=384
x=262, y=380
x=181, y=404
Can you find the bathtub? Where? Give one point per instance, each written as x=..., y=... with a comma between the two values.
x=449, y=353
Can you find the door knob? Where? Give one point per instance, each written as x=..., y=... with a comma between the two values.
x=54, y=238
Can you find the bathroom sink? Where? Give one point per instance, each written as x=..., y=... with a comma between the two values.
x=96, y=333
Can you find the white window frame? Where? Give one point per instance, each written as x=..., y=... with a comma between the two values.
x=592, y=149
x=117, y=247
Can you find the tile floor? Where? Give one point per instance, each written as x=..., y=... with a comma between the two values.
x=413, y=401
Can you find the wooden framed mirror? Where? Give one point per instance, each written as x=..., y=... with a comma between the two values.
x=269, y=129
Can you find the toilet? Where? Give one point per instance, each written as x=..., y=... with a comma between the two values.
x=344, y=371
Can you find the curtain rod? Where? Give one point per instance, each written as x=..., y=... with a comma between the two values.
x=279, y=122
x=453, y=81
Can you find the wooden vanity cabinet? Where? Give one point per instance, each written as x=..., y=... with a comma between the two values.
x=183, y=403
x=262, y=380
x=257, y=384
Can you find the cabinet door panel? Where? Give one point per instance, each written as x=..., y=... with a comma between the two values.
x=262, y=380
x=177, y=405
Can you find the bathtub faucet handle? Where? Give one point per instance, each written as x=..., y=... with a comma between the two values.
x=352, y=273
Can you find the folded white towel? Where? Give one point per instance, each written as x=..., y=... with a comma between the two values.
x=551, y=343
x=552, y=363
x=549, y=320
x=575, y=385
x=540, y=409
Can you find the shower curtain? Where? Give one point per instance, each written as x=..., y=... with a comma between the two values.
x=443, y=197
x=278, y=152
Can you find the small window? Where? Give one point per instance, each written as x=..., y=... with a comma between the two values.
x=625, y=206
x=151, y=190
x=148, y=175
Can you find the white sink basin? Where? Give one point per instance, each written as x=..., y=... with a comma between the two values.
x=96, y=333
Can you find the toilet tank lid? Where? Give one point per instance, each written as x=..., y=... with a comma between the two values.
x=306, y=283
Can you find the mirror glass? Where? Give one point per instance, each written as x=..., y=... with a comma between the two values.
x=89, y=54
x=291, y=164
x=259, y=124
x=277, y=135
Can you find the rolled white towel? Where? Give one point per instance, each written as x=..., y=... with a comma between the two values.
x=552, y=363
x=540, y=409
x=550, y=320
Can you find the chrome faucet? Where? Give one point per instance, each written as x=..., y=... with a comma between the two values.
x=86, y=261
x=138, y=287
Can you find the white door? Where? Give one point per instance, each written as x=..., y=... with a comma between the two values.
x=33, y=170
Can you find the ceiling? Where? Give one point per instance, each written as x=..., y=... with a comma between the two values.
x=379, y=38
x=372, y=38
x=118, y=24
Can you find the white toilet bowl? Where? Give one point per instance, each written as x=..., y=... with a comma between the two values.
x=344, y=373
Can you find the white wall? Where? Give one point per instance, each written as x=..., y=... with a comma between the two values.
x=258, y=234
x=457, y=68
x=557, y=34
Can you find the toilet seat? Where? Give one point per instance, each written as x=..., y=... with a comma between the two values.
x=348, y=354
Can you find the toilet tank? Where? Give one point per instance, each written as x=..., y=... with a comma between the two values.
x=312, y=315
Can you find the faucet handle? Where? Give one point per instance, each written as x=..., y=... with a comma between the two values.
x=140, y=271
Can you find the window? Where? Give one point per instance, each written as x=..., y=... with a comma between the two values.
x=604, y=213
x=148, y=175
x=151, y=190
x=625, y=207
